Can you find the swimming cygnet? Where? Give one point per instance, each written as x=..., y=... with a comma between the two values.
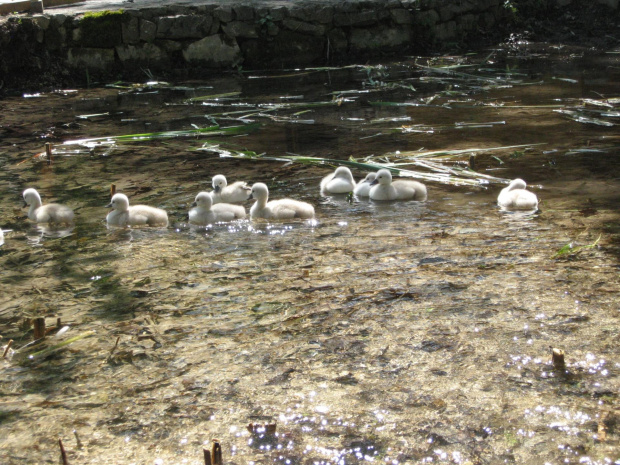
x=204, y=212
x=283, y=209
x=383, y=188
x=235, y=193
x=515, y=197
x=136, y=215
x=339, y=182
x=52, y=213
x=362, y=189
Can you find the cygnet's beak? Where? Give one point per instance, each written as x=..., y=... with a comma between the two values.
x=193, y=204
x=250, y=196
x=374, y=182
x=25, y=204
x=109, y=205
x=216, y=189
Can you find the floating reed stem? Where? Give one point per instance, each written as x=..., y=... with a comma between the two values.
x=39, y=328
x=63, y=453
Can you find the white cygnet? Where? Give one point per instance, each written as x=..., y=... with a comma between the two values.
x=383, y=188
x=223, y=193
x=339, y=182
x=362, y=189
x=515, y=197
x=136, y=215
x=52, y=213
x=283, y=209
x=204, y=212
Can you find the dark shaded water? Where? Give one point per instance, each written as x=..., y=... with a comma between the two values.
x=400, y=333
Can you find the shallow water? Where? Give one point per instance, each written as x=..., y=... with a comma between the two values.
x=400, y=333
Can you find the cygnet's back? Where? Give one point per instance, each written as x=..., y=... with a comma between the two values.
x=339, y=182
x=362, y=189
x=135, y=215
x=52, y=213
x=516, y=197
x=401, y=189
x=282, y=209
x=237, y=192
x=204, y=212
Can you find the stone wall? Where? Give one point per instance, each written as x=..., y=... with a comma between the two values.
x=213, y=36
x=184, y=38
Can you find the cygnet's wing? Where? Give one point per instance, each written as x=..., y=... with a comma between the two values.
x=54, y=213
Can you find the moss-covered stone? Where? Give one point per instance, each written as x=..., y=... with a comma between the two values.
x=102, y=29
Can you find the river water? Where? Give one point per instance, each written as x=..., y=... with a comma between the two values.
x=394, y=333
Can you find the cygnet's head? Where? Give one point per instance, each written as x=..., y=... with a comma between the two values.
x=259, y=191
x=517, y=184
x=370, y=177
x=343, y=172
x=204, y=200
x=219, y=183
x=384, y=177
x=31, y=196
x=119, y=202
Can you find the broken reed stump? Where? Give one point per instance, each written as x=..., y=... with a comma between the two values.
x=63, y=453
x=557, y=358
x=213, y=456
x=48, y=152
x=7, y=348
x=472, y=162
x=39, y=328
x=267, y=428
x=112, y=190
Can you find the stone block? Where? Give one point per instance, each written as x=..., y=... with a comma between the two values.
x=317, y=14
x=131, y=30
x=401, y=16
x=427, y=18
x=304, y=27
x=360, y=18
x=379, y=38
x=240, y=29
x=183, y=26
x=100, y=59
x=224, y=14
x=243, y=12
x=213, y=51
x=43, y=22
x=445, y=31
x=148, y=30
x=143, y=54
x=278, y=13
x=613, y=4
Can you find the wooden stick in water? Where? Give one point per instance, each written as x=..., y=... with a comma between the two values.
x=207, y=454
x=112, y=190
x=48, y=151
x=63, y=453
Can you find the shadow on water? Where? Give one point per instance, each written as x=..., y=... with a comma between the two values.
x=406, y=332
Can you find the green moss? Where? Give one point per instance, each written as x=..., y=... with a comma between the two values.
x=102, y=29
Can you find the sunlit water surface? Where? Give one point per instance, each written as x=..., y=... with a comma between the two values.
x=380, y=333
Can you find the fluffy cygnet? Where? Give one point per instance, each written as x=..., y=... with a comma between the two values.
x=339, y=182
x=52, y=213
x=204, y=212
x=383, y=188
x=515, y=197
x=136, y=215
x=362, y=189
x=235, y=193
x=283, y=209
